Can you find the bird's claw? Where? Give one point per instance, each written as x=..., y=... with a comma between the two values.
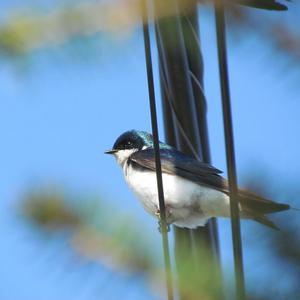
x=157, y=214
x=160, y=229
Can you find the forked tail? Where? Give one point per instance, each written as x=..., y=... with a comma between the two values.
x=256, y=207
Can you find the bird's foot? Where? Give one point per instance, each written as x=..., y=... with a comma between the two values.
x=168, y=214
x=160, y=229
x=157, y=214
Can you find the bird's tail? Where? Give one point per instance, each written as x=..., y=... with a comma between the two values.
x=256, y=207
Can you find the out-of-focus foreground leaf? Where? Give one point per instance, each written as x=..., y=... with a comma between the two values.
x=93, y=232
x=100, y=234
x=22, y=32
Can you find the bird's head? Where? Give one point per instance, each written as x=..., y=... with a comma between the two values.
x=130, y=142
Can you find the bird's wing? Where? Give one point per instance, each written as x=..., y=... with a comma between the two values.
x=175, y=162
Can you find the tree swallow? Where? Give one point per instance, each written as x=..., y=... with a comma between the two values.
x=194, y=191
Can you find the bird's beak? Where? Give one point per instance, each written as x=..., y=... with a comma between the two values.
x=112, y=151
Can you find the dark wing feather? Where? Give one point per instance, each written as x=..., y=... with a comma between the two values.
x=175, y=162
x=254, y=202
x=263, y=4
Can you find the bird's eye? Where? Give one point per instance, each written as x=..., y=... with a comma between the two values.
x=128, y=144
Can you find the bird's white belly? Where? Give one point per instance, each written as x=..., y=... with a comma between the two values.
x=190, y=204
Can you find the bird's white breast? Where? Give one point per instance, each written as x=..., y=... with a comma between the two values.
x=190, y=202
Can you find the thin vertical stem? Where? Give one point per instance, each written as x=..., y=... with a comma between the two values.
x=230, y=154
x=185, y=127
x=162, y=208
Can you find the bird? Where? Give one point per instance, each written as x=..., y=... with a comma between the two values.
x=194, y=191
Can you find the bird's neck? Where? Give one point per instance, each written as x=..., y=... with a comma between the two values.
x=123, y=155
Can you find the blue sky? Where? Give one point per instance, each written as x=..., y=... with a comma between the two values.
x=61, y=112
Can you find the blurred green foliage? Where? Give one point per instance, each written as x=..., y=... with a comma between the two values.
x=100, y=234
x=25, y=30
x=51, y=211
x=95, y=231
